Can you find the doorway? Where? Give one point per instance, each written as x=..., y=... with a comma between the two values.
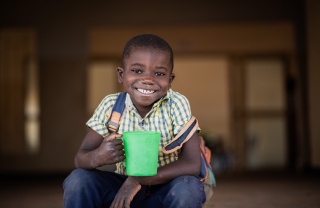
x=259, y=112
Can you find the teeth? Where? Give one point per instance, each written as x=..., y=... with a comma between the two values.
x=145, y=91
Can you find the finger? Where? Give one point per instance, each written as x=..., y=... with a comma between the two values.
x=121, y=155
x=127, y=203
x=121, y=203
x=121, y=152
x=118, y=156
x=115, y=203
x=117, y=142
x=113, y=136
x=121, y=158
x=118, y=147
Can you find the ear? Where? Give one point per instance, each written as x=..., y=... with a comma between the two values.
x=120, y=73
x=171, y=78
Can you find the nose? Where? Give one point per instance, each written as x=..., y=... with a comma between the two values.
x=147, y=81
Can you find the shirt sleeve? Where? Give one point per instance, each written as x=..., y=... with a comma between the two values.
x=101, y=115
x=180, y=112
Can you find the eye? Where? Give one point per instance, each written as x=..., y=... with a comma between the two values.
x=159, y=74
x=137, y=71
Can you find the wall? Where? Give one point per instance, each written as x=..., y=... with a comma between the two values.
x=313, y=39
x=62, y=30
x=215, y=40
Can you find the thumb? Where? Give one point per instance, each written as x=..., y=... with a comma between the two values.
x=113, y=136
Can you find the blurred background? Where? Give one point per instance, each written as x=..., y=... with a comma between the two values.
x=250, y=70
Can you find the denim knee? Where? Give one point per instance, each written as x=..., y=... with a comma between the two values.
x=185, y=191
x=77, y=180
x=79, y=190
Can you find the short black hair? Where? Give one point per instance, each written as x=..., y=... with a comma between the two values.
x=146, y=41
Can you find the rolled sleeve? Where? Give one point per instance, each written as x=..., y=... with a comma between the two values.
x=181, y=112
x=101, y=115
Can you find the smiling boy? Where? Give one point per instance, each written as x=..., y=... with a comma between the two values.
x=146, y=74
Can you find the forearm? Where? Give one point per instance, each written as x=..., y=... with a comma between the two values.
x=168, y=172
x=86, y=159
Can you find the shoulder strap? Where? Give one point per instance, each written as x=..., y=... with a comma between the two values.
x=182, y=137
x=117, y=110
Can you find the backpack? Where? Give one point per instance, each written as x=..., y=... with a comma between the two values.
x=206, y=174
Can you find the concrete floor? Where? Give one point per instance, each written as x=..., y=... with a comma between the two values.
x=250, y=191
x=282, y=191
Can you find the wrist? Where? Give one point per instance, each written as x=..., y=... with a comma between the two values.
x=134, y=180
x=94, y=159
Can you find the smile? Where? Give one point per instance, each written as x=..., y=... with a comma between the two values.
x=146, y=92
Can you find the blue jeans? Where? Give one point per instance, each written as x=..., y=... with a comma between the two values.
x=95, y=188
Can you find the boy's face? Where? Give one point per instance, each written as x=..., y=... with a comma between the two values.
x=146, y=77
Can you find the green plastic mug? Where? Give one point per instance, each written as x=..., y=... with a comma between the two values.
x=141, y=149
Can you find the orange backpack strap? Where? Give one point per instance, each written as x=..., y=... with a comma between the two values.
x=205, y=160
x=184, y=135
x=205, y=150
x=118, y=108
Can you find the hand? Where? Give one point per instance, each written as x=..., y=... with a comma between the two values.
x=110, y=151
x=126, y=193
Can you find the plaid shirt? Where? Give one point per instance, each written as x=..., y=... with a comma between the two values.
x=167, y=116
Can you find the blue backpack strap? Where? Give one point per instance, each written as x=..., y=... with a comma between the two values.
x=184, y=135
x=118, y=108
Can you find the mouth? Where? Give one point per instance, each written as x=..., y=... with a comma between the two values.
x=145, y=92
